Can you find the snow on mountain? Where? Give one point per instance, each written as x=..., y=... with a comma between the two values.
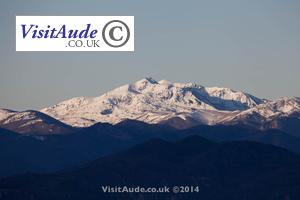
x=283, y=114
x=4, y=113
x=235, y=100
x=180, y=105
x=270, y=110
x=154, y=102
x=31, y=122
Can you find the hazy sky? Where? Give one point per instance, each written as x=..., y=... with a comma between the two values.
x=252, y=45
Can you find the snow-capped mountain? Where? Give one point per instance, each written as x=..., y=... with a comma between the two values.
x=5, y=113
x=31, y=122
x=281, y=114
x=154, y=101
x=180, y=105
x=282, y=107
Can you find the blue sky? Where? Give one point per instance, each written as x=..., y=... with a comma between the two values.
x=251, y=46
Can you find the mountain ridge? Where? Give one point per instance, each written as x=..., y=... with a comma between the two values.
x=31, y=122
x=152, y=101
x=180, y=105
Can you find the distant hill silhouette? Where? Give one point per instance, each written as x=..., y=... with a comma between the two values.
x=49, y=153
x=231, y=170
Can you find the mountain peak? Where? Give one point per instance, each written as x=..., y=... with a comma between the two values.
x=32, y=122
x=295, y=100
x=148, y=80
x=286, y=104
x=141, y=84
x=153, y=102
x=165, y=82
x=151, y=80
x=4, y=113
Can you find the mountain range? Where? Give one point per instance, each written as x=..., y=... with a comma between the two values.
x=180, y=105
x=47, y=153
x=231, y=144
x=154, y=102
